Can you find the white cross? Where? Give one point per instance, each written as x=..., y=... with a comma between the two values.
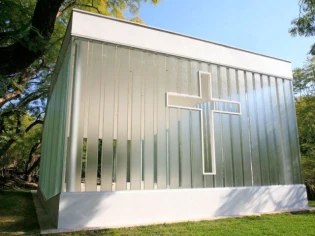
x=190, y=102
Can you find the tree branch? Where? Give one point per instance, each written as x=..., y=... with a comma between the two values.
x=36, y=163
x=30, y=157
x=10, y=96
x=71, y=4
x=33, y=124
x=21, y=54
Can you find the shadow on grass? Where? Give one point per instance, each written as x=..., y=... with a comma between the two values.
x=17, y=214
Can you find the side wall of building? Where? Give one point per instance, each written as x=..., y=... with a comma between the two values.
x=129, y=139
x=54, y=133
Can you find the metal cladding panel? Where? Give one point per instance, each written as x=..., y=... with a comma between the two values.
x=293, y=131
x=236, y=134
x=245, y=130
x=263, y=148
x=269, y=130
x=284, y=124
x=279, y=154
x=137, y=140
x=54, y=134
x=253, y=129
x=226, y=130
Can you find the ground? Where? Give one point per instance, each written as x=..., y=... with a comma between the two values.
x=17, y=214
x=18, y=217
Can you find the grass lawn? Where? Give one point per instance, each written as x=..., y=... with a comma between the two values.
x=18, y=217
x=17, y=214
x=279, y=224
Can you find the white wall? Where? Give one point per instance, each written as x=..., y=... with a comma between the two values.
x=127, y=208
x=93, y=26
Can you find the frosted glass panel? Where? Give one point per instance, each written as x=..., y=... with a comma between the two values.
x=128, y=138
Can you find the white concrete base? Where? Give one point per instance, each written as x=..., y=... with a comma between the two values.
x=130, y=208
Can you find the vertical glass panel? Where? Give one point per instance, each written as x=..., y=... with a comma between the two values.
x=109, y=68
x=94, y=82
x=279, y=155
x=195, y=129
x=62, y=127
x=196, y=151
x=292, y=129
x=55, y=132
x=207, y=106
x=226, y=130
x=185, y=128
x=172, y=74
x=219, y=177
x=80, y=81
x=123, y=78
x=137, y=68
x=185, y=149
x=48, y=170
x=161, y=122
x=44, y=149
x=54, y=135
x=148, y=119
x=69, y=84
x=260, y=108
x=87, y=73
x=269, y=126
x=285, y=133
x=251, y=99
x=244, y=131
x=236, y=132
x=174, y=150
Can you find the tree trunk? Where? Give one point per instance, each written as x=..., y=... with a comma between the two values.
x=28, y=173
x=32, y=158
x=18, y=56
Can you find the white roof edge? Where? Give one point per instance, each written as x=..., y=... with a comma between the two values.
x=176, y=33
x=95, y=26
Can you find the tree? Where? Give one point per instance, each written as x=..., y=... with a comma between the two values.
x=23, y=132
x=31, y=33
x=304, y=89
x=304, y=25
x=26, y=27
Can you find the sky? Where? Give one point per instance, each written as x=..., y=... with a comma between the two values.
x=256, y=25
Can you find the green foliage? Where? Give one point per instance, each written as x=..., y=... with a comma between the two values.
x=304, y=81
x=304, y=25
x=23, y=95
x=17, y=153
